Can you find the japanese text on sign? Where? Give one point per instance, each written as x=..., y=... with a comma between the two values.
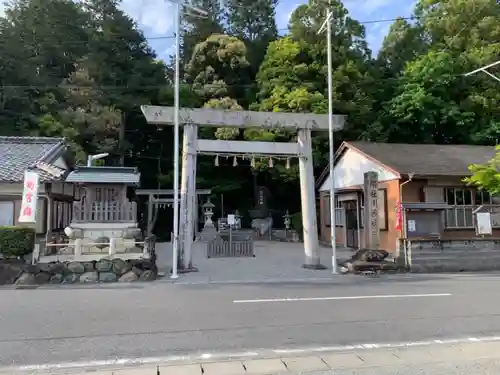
x=30, y=198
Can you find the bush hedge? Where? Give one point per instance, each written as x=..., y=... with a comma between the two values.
x=16, y=241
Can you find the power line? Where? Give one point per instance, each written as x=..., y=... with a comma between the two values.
x=465, y=26
x=253, y=85
x=168, y=37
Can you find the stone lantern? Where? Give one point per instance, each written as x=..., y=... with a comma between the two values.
x=208, y=211
x=288, y=220
x=237, y=219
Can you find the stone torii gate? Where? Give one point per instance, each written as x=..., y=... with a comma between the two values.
x=304, y=123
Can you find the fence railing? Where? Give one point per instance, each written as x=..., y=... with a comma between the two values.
x=232, y=244
x=78, y=248
x=104, y=211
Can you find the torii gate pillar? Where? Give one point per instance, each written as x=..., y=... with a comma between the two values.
x=304, y=123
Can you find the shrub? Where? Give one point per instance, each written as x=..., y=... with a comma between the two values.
x=16, y=241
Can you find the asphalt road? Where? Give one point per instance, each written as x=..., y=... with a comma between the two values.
x=161, y=319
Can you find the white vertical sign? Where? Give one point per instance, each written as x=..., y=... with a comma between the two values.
x=483, y=223
x=30, y=198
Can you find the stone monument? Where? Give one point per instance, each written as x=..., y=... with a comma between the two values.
x=371, y=230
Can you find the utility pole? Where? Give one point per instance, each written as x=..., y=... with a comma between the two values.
x=328, y=25
x=175, y=241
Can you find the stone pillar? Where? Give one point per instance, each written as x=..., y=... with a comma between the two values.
x=371, y=230
x=308, y=201
x=191, y=196
x=112, y=246
x=149, y=218
x=196, y=213
x=78, y=248
x=188, y=187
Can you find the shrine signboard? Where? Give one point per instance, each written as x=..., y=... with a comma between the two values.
x=30, y=198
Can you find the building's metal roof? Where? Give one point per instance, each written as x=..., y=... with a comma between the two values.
x=18, y=154
x=105, y=175
x=426, y=159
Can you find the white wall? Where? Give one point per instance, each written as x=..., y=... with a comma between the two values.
x=349, y=171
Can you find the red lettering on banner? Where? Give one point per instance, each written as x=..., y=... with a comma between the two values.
x=30, y=185
x=27, y=211
x=29, y=197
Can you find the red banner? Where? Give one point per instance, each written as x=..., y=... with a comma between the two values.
x=399, y=216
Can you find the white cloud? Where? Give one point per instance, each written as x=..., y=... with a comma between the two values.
x=155, y=17
x=283, y=12
x=375, y=35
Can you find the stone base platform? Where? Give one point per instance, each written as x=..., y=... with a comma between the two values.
x=17, y=272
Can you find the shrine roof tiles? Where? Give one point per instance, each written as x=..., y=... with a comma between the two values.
x=18, y=154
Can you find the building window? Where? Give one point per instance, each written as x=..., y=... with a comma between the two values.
x=6, y=213
x=339, y=211
x=482, y=197
x=464, y=201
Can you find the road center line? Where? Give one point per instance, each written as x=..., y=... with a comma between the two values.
x=342, y=298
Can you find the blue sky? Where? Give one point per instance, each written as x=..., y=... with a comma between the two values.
x=155, y=18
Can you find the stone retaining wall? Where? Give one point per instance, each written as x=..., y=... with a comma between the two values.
x=454, y=255
x=104, y=270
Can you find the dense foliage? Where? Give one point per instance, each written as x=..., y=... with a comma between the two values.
x=16, y=241
x=81, y=69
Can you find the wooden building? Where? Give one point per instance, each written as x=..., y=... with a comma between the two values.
x=425, y=180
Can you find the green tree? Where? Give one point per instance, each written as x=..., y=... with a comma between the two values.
x=293, y=75
x=486, y=176
x=253, y=22
x=287, y=82
x=124, y=67
x=434, y=103
x=402, y=44
x=89, y=126
x=226, y=104
x=218, y=68
x=196, y=28
x=36, y=57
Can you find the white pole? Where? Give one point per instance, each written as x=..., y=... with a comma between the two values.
x=330, y=141
x=175, y=242
x=483, y=69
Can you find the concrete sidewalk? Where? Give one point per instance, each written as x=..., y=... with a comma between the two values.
x=346, y=362
x=274, y=261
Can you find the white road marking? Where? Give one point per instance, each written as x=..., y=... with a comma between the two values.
x=341, y=298
x=264, y=353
